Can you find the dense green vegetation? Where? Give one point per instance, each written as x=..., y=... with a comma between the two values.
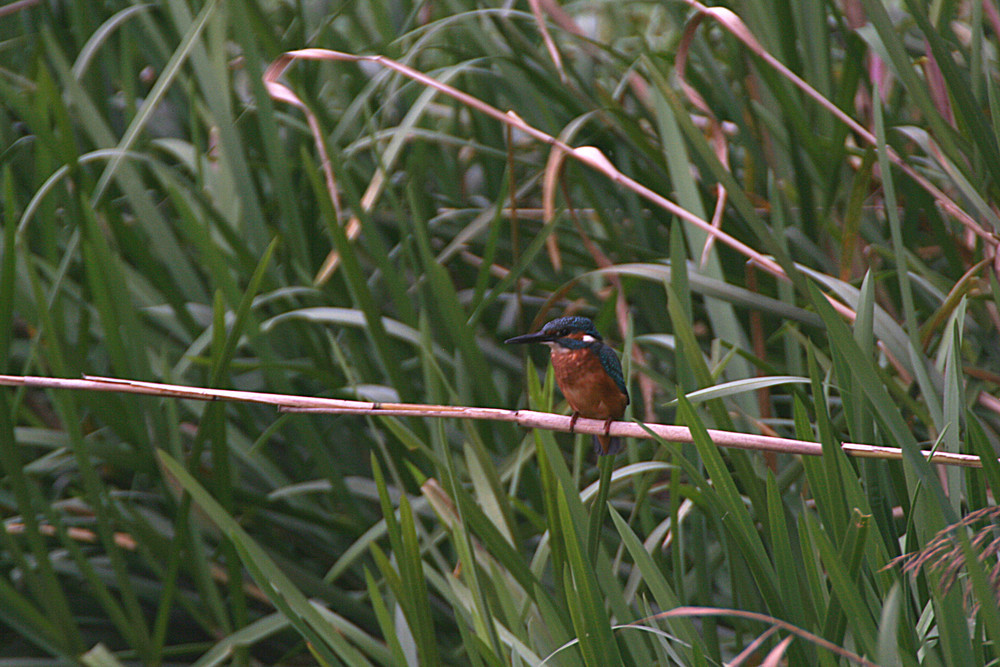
x=164, y=219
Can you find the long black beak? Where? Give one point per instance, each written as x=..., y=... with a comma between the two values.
x=530, y=338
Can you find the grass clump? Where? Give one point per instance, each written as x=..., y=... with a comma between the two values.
x=166, y=219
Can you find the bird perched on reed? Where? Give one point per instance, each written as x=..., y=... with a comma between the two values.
x=588, y=373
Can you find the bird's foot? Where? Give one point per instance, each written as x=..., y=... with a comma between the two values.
x=572, y=422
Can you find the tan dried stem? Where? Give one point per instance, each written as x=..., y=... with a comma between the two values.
x=550, y=45
x=282, y=93
x=700, y=612
x=588, y=155
x=17, y=6
x=712, y=125
x=526, y=418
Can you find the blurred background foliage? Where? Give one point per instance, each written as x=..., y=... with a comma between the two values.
x=164, y=219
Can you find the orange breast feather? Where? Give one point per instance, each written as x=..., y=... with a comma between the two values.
x=588, y=389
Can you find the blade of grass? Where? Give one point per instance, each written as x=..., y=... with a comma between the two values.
x=585, y=604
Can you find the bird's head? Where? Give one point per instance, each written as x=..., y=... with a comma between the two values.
x=565, y=332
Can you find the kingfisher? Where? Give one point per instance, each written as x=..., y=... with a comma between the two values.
x=588, y=373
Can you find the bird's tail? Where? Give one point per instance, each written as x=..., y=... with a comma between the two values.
x=605, y=445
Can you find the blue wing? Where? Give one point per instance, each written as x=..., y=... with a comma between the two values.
x=613, y=367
